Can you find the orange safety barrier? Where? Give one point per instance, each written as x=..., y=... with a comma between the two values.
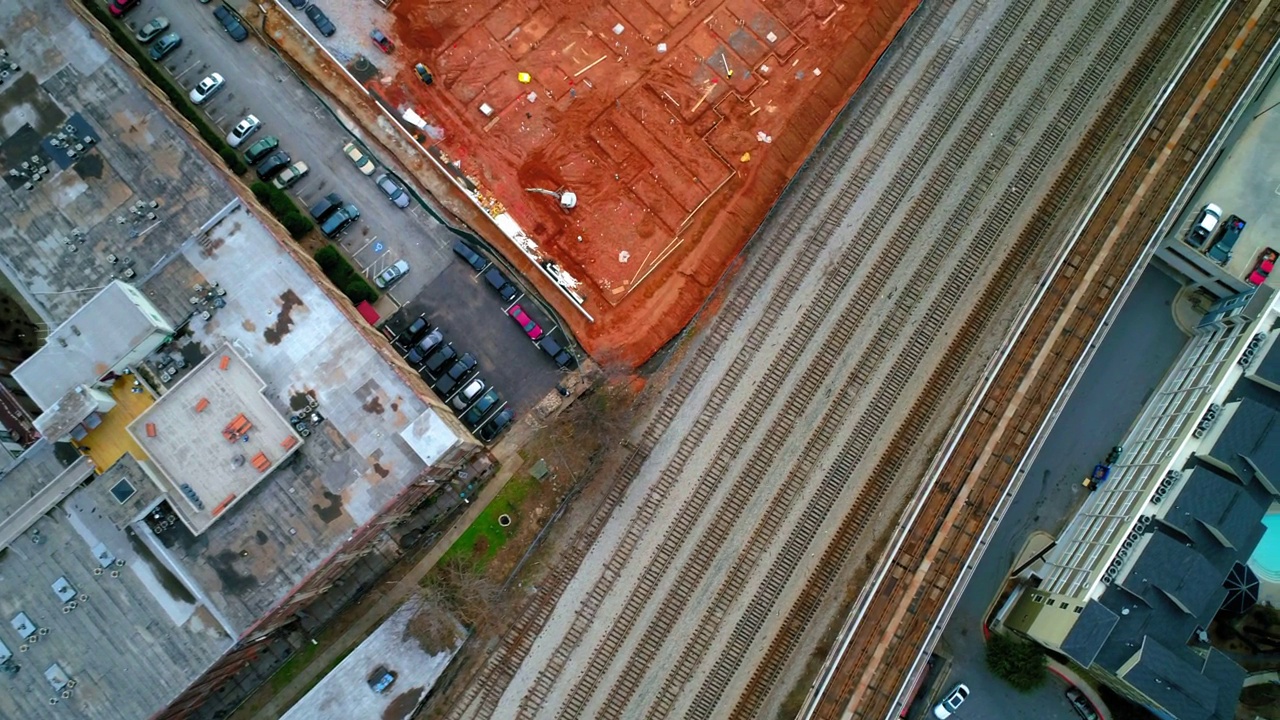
x=151, y=429
x=204, y=403
x=223, y=505
x=226, y=361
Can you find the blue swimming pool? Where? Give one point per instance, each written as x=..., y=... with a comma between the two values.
x=1265, y=560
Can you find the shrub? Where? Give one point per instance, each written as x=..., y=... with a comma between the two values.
x=1016, y=661
x=177, y=96
x=343, y=276
x=297, y=224
x=283, y=207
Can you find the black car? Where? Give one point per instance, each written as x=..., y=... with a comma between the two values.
x=298, y=4
x=322, y=22
x=326, y=205
x=561, y=357
x=420, y=351
x=272, y=164
x=230, y=23
x=439, y=360
x=458, y=373
x=473, y=259
x=490, y=431
x=499, y=282
x=1222, y=250
x=339, y=220
x=414, y=332
x=165, y=45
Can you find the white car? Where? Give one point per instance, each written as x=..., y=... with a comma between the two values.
x=389, y=276
x=1206, y=223
x=290, y=175
x=207, y=87
x=951, y=702
x=362, y=161
x=243, y=129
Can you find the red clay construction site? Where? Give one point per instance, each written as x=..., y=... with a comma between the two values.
x=676, y=123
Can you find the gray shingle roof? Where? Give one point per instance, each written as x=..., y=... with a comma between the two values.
x=1089, y=633
x=1250, y=439
x=1225, y=508
x=1181, y=573
x=1178, y=684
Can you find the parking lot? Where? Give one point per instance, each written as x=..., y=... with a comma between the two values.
x=473, y=318
x=452, y=294
x=259, y=83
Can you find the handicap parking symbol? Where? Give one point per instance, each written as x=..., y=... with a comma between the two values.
x=379, y=247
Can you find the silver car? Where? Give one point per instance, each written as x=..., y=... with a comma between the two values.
x=243, y=129
x=393, y=190
x=391, y=275
x=206, y=89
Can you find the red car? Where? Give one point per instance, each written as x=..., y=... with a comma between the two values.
x=530, y=327
x=1266, y=261
x=119, y=7
x=382, y=41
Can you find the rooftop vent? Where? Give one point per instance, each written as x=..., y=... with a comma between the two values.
x=63, y=590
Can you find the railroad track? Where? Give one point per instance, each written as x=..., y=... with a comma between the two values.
x=481, y=697
x=875, y=667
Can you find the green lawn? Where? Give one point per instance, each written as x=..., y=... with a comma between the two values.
x=485, y=537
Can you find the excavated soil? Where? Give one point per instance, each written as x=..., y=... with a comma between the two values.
x=676, y=124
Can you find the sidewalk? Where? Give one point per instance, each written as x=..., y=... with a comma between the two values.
x=376, y=612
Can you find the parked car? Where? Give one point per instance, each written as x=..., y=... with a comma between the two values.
x=482, y=407
x=261, y=149
x=561, y=357
x=165, y=45
x=1221, y=250
x=1081, y=704
x=1266, y=263
x=230, y=23
x=530, y=327
x=1114, y=456
x=290, y=175
x=381, y=679
x=951, y=702
x=243, y=129
x=206, y=88
x=339, y=220
x=1206, y=222
x=321, y=21
x=272, y=164
x=490, y=431
x=118, y=8
x=467, y=394
x=154, y=27
x=362, y=161
x=298, y=4
x=439, y=360
x=391, y=275
x=459, y=372
x=473, y=259
x=394, y=192
x=416, y=330
x=418, y=354
x=382, y=41
x=326, y=205
x=500, y=283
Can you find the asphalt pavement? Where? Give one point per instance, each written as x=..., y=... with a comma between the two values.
x=260, y=83
x=473, y=318
x=1129, y=364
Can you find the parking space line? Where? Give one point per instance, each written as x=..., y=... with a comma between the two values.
x=189, y=69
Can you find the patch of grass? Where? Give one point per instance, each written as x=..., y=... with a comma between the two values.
x=485, y=537
x=123, y=36
x=293, y=667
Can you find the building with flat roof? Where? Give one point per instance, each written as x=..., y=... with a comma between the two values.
x=1131, y=586
x=114, y=330
x=213, y=437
